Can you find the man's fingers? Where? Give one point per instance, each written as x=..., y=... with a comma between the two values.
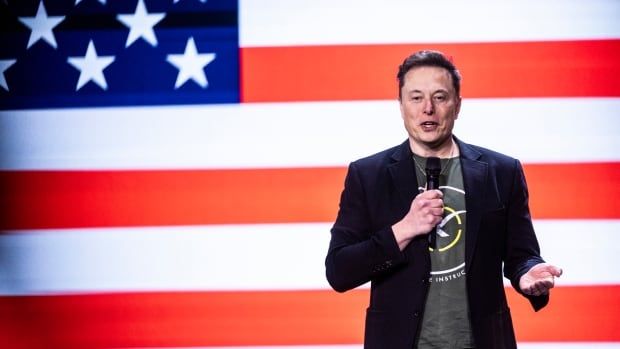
x=548, y=268
x=541, y=291
x=539, y=288
x=433, y=211
x=546, y=284
x=530, y=291
x=436, y=203
x=432, y=194
x=543, y=287
x=555, y=271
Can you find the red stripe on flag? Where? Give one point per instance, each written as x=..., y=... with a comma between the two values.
x=71, y=199
x=64, y=199
x=580, y=190
x=574, y=314
x=585, y=68
x=273, y=317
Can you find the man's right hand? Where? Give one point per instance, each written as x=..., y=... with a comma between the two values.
x=425, y=213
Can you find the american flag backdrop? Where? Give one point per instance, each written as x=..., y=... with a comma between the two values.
x=169, y=170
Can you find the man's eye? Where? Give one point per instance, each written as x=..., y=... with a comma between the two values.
x=440, y=98
x=416, y=98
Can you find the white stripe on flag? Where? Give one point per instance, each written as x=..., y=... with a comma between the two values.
x=296, y=134
x=324, y=22
x=243, y=257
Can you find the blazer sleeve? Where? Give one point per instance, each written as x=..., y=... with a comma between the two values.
x=522, y=249
x=356, y=253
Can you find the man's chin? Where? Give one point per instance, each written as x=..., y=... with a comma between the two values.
x=436, y=143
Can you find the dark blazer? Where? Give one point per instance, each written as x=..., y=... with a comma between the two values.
x=378, y=192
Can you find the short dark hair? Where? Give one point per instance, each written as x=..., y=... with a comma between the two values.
x=428, y=58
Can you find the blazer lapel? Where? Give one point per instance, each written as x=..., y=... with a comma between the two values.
x=403, y=174
x=474, y=178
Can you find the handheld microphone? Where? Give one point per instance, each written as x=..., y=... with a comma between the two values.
x=433, y=169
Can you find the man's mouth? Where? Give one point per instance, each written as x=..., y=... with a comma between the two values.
x=429, y=125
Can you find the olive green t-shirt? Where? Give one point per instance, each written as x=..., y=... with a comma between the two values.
x=446, y=323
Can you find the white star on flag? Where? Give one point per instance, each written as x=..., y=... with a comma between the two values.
x=91, y=67
x=4, y=65
x=191, y=64
x=78, y=1
x=141, y=24
x=41, y=26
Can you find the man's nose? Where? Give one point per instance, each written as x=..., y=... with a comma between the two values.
x=429, y=108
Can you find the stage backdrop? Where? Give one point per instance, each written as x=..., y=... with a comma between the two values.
x=170, y=169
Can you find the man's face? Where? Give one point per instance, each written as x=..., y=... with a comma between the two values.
x=429, y=105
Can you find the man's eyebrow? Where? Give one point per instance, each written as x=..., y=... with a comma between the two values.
x=414, y=91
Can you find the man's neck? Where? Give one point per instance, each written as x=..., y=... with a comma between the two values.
x=447, y=149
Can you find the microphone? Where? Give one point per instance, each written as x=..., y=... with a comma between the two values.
x=433, y=169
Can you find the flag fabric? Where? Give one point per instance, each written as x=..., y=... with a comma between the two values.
x=117, y=53
x=169, y=170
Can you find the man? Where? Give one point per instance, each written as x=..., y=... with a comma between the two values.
x=451, y=295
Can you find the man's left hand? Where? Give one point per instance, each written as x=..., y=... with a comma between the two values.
x=539, y=279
